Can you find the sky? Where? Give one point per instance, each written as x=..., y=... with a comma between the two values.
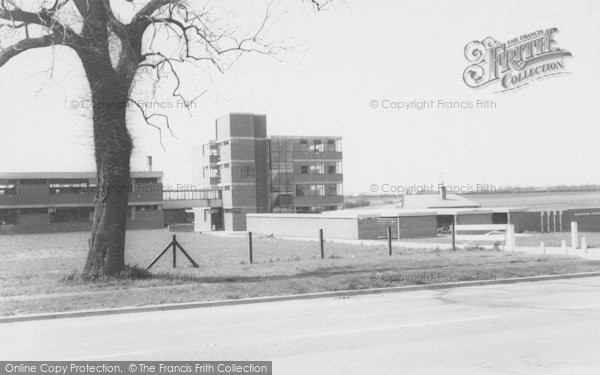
x=341, y=61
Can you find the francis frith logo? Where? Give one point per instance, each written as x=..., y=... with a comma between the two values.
x=515, y=63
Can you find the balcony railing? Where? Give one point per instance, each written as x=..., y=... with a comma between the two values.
x=173, y=195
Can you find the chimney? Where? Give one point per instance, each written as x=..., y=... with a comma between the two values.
x=149, y=161
x=442, y=192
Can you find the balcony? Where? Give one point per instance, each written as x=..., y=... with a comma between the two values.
x=311, y=155
x=317, y=200
x=318, y=178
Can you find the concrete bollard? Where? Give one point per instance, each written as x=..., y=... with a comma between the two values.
x=584, y=245
x=574, y=235
x=565, y=249
x=543, y=247
x=510, y=238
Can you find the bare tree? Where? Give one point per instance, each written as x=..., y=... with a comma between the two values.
x=117, y=52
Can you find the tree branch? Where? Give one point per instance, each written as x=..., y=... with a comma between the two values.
x=24, y=45
x=151, y=7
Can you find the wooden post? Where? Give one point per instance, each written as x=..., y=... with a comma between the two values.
x=543, y=247
x=389, y=238
x=174, y=245
x=250, y=247
x=454, y=233
x=322, y=244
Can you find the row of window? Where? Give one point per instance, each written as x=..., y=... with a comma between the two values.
x=319, y=190
x=305, y=145
x=302, y=190
x=245, y=172
x=316, y=209
x=283, y=145
x=277, y=168
x=318, y=145
x=321, y=168
x=63, y=215
x=9, y=187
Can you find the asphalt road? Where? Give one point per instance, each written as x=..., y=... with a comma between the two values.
x=528, y=328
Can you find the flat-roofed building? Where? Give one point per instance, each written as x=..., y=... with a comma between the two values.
x=261, y=174
x=63, y=201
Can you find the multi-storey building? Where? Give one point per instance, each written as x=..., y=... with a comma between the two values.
x=261, y=174
x=62, y=202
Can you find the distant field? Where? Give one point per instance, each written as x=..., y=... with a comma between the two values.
x=39, y=273
x=583, y=199
x=557, y=200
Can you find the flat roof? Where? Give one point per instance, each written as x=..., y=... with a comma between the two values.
x=294, y=137
x=67, y=175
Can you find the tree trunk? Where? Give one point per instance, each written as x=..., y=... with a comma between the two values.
x=113, y=146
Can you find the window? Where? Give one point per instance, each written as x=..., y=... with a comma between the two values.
x=146, y=180
x=8, y=187
x=227, y=188
x=247, y=172
x=318, y=190
x=68, y=186
x=310, y=190
x=317, y=146
x=308, y=210
x=317, y=168
x=304, y=169
x=332, y=190
x=225, y=166
x=334, y=168
x=303, y=145
x=34, y=211
x=9, y=217
x=225, y=143
x=146, y=208
x=70, y=215
x=331, y=145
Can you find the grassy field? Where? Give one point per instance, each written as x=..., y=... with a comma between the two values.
x=39, y=273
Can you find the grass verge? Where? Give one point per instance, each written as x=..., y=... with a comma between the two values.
x=40, y=274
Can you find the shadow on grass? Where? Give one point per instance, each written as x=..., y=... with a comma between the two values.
x=133, y=274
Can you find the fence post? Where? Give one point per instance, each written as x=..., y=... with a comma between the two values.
x=574, y=235
x=584, y=245
x=454, y=233
x=543, y=247
x=564, y=247
x=250, y=247
x=321, y=242
x=174, y=244
x=389, y=238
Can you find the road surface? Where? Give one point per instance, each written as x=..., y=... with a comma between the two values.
x=526, y=328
